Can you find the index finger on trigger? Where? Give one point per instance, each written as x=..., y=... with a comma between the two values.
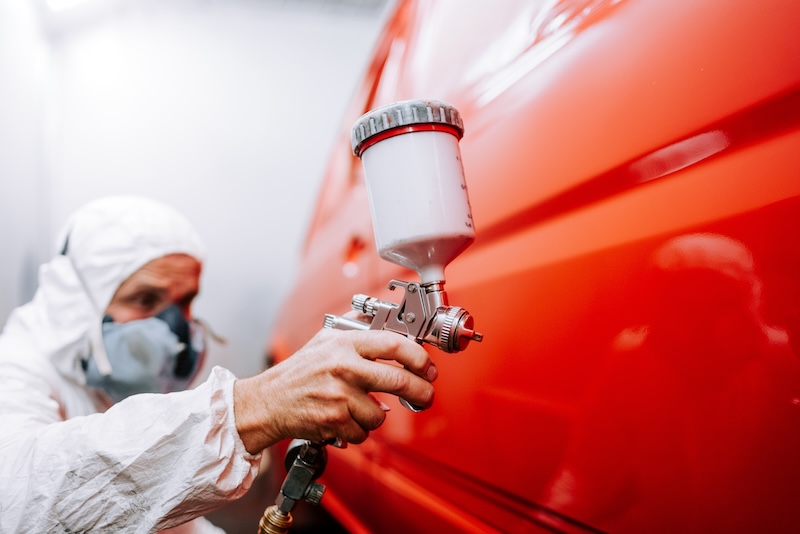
x=382, y=345
x=378, y=376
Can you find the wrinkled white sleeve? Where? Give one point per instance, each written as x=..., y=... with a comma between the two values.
x=149, y=463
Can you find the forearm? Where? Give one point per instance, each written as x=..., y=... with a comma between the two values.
x=150, y=462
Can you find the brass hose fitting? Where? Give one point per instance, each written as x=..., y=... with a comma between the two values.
x=274, y=521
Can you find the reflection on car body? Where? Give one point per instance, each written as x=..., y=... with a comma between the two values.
x=703, y=397
x=635, y=186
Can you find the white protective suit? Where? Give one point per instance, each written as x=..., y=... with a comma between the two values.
x=68, y=461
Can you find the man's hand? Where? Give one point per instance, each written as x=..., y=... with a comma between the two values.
x=322, y=391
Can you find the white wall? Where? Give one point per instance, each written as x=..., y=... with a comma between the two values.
x=23, y=80
x=225, y=109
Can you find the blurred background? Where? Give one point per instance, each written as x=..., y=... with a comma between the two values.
x=225, y=109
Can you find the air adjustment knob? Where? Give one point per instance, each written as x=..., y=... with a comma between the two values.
x=314, y=493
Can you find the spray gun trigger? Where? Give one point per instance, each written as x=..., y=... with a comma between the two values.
x=413, y=407
x=339, y=443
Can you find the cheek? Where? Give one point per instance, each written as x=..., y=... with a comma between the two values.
x=187, y=311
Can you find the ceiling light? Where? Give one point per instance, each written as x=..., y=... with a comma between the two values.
x=60, y=5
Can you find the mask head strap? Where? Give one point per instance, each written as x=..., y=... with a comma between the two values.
x=96, y=329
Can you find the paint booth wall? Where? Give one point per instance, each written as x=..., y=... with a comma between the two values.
x=224, y=109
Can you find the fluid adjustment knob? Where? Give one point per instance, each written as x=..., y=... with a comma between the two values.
x=457, y=329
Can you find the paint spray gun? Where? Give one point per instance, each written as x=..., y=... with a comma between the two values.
x=422, y=220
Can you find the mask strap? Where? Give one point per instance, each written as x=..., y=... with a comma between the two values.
x=96, y=330
x=207, y=327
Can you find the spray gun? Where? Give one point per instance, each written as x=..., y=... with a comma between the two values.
x=422, y=221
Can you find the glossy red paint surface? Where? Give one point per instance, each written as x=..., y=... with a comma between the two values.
x=634, y=174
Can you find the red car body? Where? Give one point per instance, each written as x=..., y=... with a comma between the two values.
x=634, y=173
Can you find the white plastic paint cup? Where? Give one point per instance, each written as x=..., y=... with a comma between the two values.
x=415, y=181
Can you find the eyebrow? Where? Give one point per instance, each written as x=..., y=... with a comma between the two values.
x=146, y=288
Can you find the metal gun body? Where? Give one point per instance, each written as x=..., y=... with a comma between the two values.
x=423, y=314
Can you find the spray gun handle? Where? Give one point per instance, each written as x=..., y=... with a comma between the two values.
x=424, y=316
x=345, y=323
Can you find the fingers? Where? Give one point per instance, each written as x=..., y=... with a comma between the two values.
x=384, y=345
x=368, y=415
x=413, y=386
x=382, y=377
x=362, y=414
x=377, y=376
x=323, y=390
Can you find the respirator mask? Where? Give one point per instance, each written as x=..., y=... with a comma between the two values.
x=159, y=354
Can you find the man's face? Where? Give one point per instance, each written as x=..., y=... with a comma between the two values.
x=172, y=279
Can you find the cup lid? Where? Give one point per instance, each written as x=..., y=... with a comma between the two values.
x=386, y=120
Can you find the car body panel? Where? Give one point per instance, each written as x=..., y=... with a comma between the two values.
x=630, y=165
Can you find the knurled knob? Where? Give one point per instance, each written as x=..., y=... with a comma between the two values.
x=376, y=124
x=364, y=304
x=448, y=336
x=359, y=302
x=314, y=493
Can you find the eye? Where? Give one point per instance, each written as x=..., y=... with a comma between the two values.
x=146, y=301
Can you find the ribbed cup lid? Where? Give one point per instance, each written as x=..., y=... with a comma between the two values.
x=404, y=114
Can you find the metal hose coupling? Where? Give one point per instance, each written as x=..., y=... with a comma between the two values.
x=305, y=461
x=275, y=521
